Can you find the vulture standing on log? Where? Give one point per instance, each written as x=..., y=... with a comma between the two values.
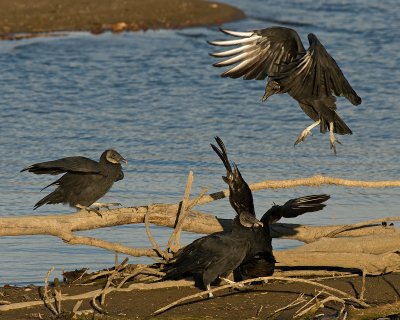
x=247, y=247
x=84, y=181
x=310, y=76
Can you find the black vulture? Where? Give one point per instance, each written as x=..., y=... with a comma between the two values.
x=262, y=263
x=247, y=247
x=214, y=256
x=312, y=76
x=85, y=180
x=240, y=195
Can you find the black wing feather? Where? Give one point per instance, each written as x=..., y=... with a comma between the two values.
x=264, y=52
x=315, y=74
x=240, y=195
x=296, y=207
x=68, y=164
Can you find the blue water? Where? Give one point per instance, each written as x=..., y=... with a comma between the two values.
x=155, y=98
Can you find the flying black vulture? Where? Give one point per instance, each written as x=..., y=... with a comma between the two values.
x=247, y=247
x=262, y=263
x=311, y=76
x=84, y=181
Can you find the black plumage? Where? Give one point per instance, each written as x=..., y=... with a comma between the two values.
x=246, y=249
x=262, y=263
x=312, y=76
x=214, y=256
x=240, y=196
x=211, y=257
x=85, y=180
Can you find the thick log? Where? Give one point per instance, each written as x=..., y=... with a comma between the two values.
x=369, y=263
x=161, y=215
x=371, y=244
x=373, y=254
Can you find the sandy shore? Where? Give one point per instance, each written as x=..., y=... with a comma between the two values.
x=252, y=302
x=26, y=16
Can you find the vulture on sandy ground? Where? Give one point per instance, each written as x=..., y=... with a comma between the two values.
x=85, y=180
x=310, y=76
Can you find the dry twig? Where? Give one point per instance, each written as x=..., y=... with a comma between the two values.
x=156, y=248
x=174, y=240
x=299, y=300
x=95, y=293
x=315, y=298
x=318, y=305
x=46, y=299
x=200, y=294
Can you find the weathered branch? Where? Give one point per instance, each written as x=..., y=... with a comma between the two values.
x=159, y=214
x=361, y=224
x=315, y=181
x=174, y=240
x=64, y=226
x=160, y=252
x=371, y=244
x=371, y=263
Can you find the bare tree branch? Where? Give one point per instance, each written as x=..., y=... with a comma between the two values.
x=315, y=181
x=174, y=241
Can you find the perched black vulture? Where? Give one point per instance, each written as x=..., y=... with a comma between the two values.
x=240, y=195
x=311, y=76
x=84, y=181
x=246, y=249
x=262, y=263
x=218, y=254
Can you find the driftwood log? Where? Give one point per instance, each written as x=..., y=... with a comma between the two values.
x=368, y=246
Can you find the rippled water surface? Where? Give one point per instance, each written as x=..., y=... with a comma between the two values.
x=155, y=98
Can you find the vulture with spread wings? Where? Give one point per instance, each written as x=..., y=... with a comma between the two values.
x=312, y=76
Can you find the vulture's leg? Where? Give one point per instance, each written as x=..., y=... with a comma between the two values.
x=106, y=205
x=88, y=209
x=307, y=131
x=332, y=137
x=210, y=295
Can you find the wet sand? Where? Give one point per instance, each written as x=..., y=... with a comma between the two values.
x=39, y=16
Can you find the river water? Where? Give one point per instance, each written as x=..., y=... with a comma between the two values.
x=155, y=98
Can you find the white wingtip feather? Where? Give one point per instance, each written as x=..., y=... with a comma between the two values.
x=234, y=42
x=237, y=33
x=231, y=60
x=230, y=52
x=235, y=68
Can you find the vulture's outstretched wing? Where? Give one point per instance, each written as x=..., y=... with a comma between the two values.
x=296, y=207
x=261, y=52
x=315, y=75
